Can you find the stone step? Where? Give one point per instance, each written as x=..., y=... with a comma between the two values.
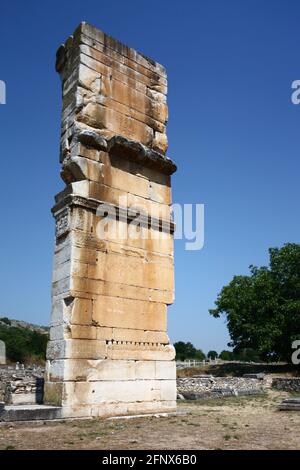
x=29, y=412
x=259, y=376
x=290, y=404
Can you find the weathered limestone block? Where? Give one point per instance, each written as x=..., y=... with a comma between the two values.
x=77, y=348
x=92, y=165
x=113, y=271
x=102, y=192
x=103, y=67
x=128, y=270
x=135, y=335
x=90, y=331
x=110, y=56
x=125, y=313
x=101, y=117
x=160, y=141
x=142, y=351
x=145, y=241
x=91, y=288
x=119, y=409
x=90, y=370
x=106, y=90
x=67, y=311
x=125, y=391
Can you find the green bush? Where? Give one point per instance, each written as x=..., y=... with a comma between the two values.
x=22, y=343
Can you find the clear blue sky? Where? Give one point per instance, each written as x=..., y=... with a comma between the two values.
x=233, y=132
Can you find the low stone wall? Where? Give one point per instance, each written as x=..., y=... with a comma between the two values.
x=216, y=387
x=288, y=384
x=23, y=386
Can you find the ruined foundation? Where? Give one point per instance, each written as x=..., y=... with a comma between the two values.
x=109, y=352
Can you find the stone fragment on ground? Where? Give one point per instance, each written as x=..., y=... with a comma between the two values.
x=197, y=387
x=290, y=404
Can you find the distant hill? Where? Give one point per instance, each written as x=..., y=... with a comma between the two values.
x=25, y=342
x=23, y=324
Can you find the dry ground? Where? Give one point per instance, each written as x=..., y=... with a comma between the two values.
x=230, y=423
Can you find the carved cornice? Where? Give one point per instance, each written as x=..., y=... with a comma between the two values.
x=125, y=148
x=129, y=215
x=139, y=153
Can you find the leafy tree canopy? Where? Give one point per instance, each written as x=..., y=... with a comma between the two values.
x=262, y=309
x=188, y=351
x=212, y=355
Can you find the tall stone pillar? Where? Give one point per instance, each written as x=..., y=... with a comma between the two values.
x=109, y=353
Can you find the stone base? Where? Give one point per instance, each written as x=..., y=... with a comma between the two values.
x=110, y=410
x=26, y=398
x=88, y=387
x=111, y=398
x=29, y=413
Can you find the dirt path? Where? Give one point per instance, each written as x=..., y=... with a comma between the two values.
x=232, y=423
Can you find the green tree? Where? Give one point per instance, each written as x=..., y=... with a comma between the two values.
x=199, y=356
x=38, y=344
x=212, y=355
x=263, y=309
x=188, y=351
x=226, y=355
x=247, y=355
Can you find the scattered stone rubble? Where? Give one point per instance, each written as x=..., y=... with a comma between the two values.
x=21, y=386
x=288, y=384
x=197, y=387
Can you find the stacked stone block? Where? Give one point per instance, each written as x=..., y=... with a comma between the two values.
x=109, y=352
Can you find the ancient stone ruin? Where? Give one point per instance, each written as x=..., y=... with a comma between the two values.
x=21, y=385
x=2, y=353
x=109, y=352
